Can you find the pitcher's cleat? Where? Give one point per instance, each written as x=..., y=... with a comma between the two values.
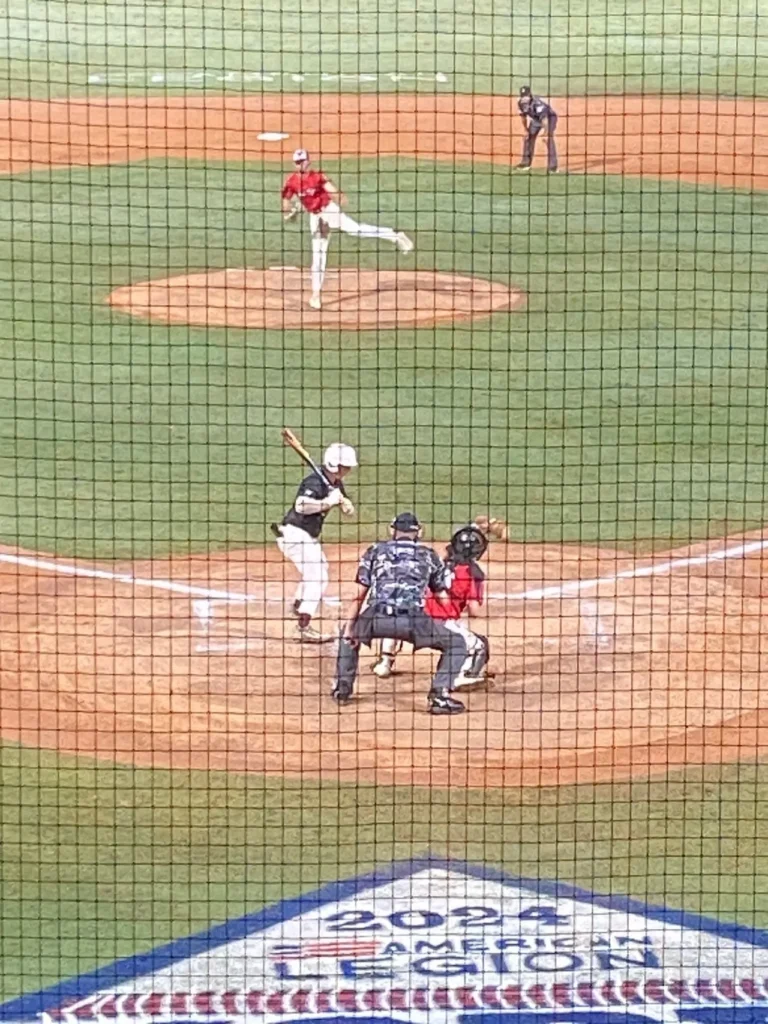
x=404, y=244
x=316, y=302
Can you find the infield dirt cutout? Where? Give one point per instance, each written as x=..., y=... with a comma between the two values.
x=658, y=666
x=352, y=299
x=187, y=663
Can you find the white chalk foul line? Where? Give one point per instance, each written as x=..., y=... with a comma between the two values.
x=557, y=590
x=64, y=569
x=636, y=572
x=173, y=586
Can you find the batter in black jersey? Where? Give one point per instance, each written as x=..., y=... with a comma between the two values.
x=535, y=113
x=393, y=579
x=298, y=535
x=316, y=487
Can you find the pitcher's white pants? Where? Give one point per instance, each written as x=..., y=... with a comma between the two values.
x=307, y=555
x=333, y=218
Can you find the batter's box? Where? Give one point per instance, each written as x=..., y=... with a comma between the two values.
x=247, y=627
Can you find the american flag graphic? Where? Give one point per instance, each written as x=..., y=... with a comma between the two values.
x=338, y=949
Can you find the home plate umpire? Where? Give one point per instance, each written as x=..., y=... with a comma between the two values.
x=393, y=578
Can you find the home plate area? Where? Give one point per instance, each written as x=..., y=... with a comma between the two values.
x=606, y=667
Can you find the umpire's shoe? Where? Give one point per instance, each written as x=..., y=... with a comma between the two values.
x=341, y=694
x=440, y=702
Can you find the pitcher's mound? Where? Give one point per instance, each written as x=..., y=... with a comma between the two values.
x=279, y=297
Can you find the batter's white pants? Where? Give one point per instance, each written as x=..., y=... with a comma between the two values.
x=472, y=640
x=336, y=220
x=307, y=555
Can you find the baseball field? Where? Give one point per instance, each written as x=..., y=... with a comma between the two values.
x=583, y=355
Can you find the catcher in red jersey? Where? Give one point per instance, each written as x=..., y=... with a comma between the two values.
x=465, y=594
x=323, y=201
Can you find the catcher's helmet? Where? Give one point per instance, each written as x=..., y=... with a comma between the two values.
x=468, y=544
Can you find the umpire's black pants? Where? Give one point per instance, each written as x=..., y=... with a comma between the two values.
x=534, y=127
x=412, y=625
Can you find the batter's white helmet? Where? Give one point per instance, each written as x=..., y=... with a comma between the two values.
x=339, y=454
x=300, y=155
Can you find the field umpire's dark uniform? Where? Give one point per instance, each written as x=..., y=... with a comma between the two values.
x=394, y=577
x=534, y=111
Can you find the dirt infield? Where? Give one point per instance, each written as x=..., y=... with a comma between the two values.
x=643, y=668
x=659, y=664
x=352, y=299
x=705, y=140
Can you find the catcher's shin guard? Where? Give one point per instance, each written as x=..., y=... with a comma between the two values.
x=480, y=658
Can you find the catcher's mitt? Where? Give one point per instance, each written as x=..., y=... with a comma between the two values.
x=493, y=528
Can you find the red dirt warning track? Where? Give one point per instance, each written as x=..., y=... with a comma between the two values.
x=641, y=674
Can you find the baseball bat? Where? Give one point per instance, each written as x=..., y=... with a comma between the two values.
x=293, y=442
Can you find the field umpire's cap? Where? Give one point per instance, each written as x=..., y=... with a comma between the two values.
x=525, y=90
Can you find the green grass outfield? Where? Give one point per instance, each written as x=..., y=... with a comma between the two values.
x=625, y=405
x=58, y=47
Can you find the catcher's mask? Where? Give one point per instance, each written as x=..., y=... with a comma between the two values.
x=468, y=544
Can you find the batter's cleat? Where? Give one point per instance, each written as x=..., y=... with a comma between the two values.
x=383, y=667
x=315, y=302
x=404, y=244
x=341, y=694
x=440, y=702
x=309, y=635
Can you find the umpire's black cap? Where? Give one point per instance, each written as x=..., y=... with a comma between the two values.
x=406, y=522
x=525, y=90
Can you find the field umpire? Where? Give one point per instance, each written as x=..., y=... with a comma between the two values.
x=534, y=112
x=393, y=577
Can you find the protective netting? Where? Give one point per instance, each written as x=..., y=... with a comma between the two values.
x=383, y=487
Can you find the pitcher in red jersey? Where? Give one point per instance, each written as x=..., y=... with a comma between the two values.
x=465, y=594
x=323, y=201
